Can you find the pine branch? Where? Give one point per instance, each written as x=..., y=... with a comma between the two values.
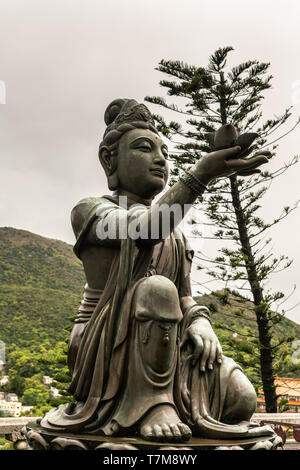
x=283, y=135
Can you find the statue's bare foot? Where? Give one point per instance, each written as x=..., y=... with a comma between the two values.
x=162, y=424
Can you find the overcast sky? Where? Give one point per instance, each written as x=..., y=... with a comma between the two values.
x=64, y=61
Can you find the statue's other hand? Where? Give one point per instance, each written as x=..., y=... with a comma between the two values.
x=207, y=349
x=249, y=166
x=226, y=162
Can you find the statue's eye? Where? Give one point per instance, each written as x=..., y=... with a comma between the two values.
x=145, y=147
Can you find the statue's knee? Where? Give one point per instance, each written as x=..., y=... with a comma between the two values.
x=157, y=309
x=241, y=399
x=247, y=401
x=156, y=298
x=251, y=400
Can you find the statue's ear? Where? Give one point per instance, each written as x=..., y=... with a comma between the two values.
x=109, y=163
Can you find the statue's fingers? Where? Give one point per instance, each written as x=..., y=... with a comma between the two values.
x=205, y=355
x=198, y=348
x=257, y=160
x=219, y=355
x=246, y=152
x=232, y=152
x=246, y=164
x=266, y=153
x=212, y=355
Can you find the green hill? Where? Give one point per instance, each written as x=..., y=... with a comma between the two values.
x=41, y=283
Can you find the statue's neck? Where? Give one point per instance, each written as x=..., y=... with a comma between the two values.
x=132, y=198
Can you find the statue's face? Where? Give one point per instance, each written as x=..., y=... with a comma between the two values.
x=142, y=163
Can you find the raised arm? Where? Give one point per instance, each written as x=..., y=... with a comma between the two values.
x=157, y=222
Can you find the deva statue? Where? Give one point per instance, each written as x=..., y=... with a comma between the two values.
x=144, y=358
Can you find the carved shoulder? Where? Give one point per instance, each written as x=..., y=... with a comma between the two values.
x=82, y=212
x=82, y=217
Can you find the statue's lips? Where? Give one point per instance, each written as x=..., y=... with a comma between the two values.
x=158, y=172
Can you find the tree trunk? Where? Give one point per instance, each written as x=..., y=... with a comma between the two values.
x=266, y=356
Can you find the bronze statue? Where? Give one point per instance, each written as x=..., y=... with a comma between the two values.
x=144, y=358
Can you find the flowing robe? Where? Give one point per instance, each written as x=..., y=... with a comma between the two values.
x=104, y=357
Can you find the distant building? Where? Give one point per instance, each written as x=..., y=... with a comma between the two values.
x=54, y=392
x=25, y=408
x=47, y=380
x=286, y=387
x=10, y=405
x=12, y=397
x=4, y=380
x=10, y=408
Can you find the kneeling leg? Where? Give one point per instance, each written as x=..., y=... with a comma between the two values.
x=240, y=401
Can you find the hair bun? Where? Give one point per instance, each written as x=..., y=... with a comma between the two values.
x=112, y=110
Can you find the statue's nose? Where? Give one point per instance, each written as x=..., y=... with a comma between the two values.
x=159, y=158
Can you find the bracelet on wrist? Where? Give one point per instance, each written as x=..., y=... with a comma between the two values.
x=199, y=314
x=193, y=183
x=194, y=177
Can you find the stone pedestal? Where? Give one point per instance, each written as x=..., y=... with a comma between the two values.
x=39, y=439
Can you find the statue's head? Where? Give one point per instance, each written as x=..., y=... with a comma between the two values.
x=132, y=154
